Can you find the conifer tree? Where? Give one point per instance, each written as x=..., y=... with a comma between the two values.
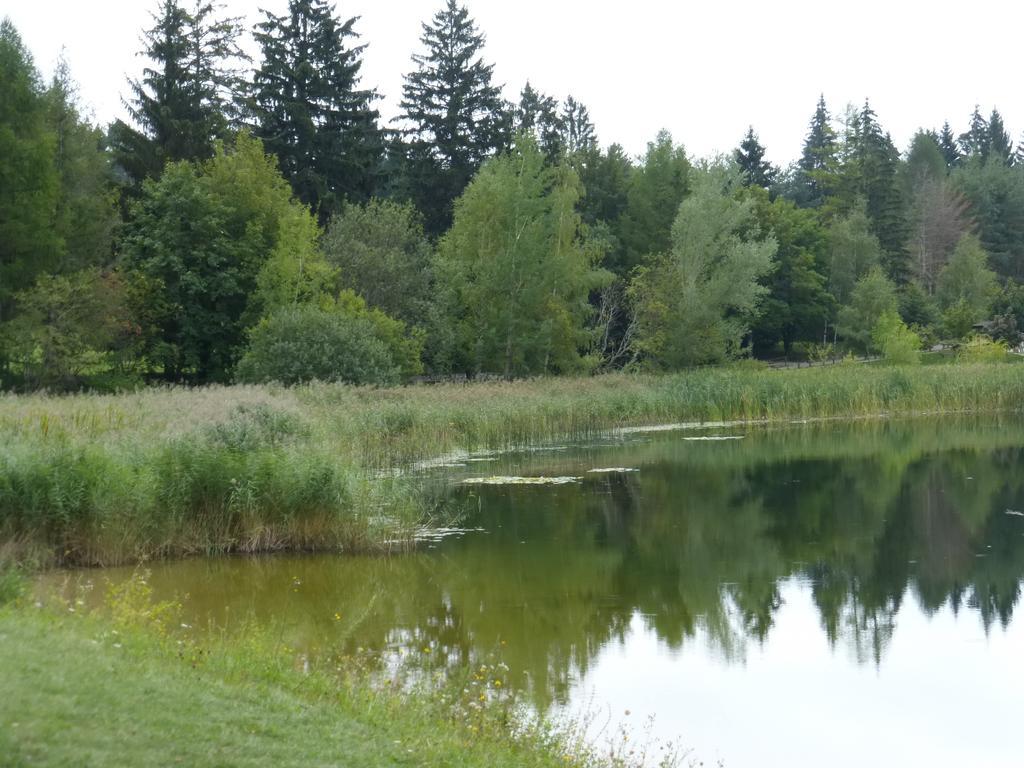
x=975, y=141
x=949, y=146
x=999, y=144
x=817, y=164
x=655, y=191
x=578, y=131
x=757, y=172
x=454, y=117
x=538, y=114
x=183, y=102
x=870, y=171
x=309, y=108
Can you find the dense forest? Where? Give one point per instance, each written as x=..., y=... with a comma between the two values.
x=257, y=221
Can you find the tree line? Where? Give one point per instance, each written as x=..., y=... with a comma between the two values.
x=256, y=220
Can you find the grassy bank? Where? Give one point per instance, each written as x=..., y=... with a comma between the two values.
x=109, y=479
x=134, y=689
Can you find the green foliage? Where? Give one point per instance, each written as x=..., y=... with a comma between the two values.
x=749, y=157
x=798, y=305
x=538, y=115
x=869, y=172
x=383, y=255
x=982, y=349
x=695, y=304
x=224, y=242
x=656, y=189
x=996, y=195
x=181, y=104
x=958, y=320
x=967, y=280
x=305, y=343
x=454, y=117
x=516, y=269
x=309, y=109
x=87, y=215
x=873, y=297
x=916, y=307
x=818, y=162
x=897, y=343
x=66, y=327
x=404, y=343
x=29, y=182
x=853, y=252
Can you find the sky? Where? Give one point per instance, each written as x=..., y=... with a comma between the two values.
x=703, y=70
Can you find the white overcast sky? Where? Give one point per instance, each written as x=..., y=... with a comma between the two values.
x=703, y=70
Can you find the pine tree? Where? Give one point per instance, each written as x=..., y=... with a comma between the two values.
x=975, y=142
x=454, y=117
x=655, y=191
x=999, y=144
x=578, y=132
x=538, y=115
x=949, y=146
x=309, y=109
x=183, y=103
x=817, y=164
x=870, y=171
x=757, y=172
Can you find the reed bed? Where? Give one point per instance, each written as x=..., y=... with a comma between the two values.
x=104, y=479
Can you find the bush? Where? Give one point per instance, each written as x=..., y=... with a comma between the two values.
x=982, y=349
x=897, y=343
x=303, y=343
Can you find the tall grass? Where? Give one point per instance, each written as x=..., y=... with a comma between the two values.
x=110, y=479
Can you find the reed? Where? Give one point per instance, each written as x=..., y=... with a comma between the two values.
x=104, y=479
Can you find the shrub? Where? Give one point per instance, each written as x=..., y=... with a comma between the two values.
x=897, y=343
x=982, y=349
x=304, y=343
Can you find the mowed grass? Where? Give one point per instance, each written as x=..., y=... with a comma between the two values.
x=75, y=692
x=90, y=479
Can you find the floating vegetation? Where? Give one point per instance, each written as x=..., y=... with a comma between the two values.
x=499, y=480
x=714, y=437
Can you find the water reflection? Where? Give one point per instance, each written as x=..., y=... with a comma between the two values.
x=701, y=545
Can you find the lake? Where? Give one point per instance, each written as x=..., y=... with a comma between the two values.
x=832, y=593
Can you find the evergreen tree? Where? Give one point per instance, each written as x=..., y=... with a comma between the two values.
x=870, y=167
x=655, y=191
x=578, y=133
x=29, y=183
x=925, y=161
x=757, y=172
x=996, y=194
x=454, y=117
x=798, y=305
x=999, y=144
x=817, y=163
x=538, y=114
x=183, y=102
x=309, y=109
x=975, y=141
x=949, y=146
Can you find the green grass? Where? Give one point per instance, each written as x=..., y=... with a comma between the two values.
x=91, y=479
x=126, y=690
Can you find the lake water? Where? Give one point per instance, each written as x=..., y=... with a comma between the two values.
x=838, y=594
